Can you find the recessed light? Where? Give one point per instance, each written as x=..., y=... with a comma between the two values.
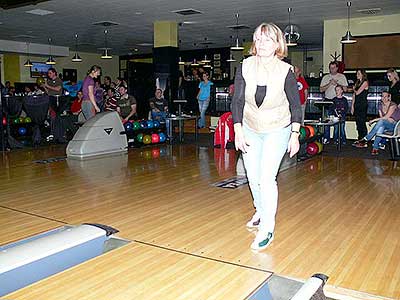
x=138, y=13
x=40, y=12
x=145, y=44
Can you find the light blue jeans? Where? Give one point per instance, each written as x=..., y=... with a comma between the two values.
x=380, y=127
x=262, y=161
x=203, y=105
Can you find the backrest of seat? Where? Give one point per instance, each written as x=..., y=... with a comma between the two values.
x=396, y=130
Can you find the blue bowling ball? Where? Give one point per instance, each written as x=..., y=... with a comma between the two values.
x=22, y=130
x=128, y=126
x=162, y=136
x=143, y=124
x=150, y=124
x=156, y=124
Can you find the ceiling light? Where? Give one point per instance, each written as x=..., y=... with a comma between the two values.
x=194, y=63
x=106, y=55
x=348, y=38
x=40, y=12
x=187, y=11
x=50, y=60
x=237, y=45
x=28, y=62
x=76, y=57
x=231, y=59
x=291, y=32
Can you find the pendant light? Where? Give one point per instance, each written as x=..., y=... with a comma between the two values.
x=28, y=62
x=50, y=60
x=106, y=55
x=237, y=46
x=291, y=32
x=348, y=38
x=76, y=57
x=181, y=62
x=194, y=63
x=231, y=58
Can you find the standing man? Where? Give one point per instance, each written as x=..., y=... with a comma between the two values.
x=331, y=80
x=303, y=87
x=53, y=88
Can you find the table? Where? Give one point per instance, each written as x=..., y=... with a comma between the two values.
x=181, y=120
x=321, y=105
x=327, y=123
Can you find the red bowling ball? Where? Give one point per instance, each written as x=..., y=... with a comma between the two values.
x=155, y=138
x=312, y=149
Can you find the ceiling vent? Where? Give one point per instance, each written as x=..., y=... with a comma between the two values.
x=238, y=27
x=8, y=4
x=370, y=11
x=105, y=23
x=40, y=12
x=187, y=12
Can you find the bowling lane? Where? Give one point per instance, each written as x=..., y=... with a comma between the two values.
x=16, y=225
x=144, y=272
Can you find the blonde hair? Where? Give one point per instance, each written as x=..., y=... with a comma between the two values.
x=394, y=73
x=274, y=33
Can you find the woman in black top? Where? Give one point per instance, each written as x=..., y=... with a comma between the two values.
x=394, y=88
x=359, y=105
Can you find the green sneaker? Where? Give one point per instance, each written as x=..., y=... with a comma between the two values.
x=262, y=241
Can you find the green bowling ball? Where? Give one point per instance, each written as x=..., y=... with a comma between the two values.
x=136, y=125
x=139, y=137
x=16, y=121
x=303, y=133
x=28, y=120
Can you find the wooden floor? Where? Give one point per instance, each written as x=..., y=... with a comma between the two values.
x=336, y=216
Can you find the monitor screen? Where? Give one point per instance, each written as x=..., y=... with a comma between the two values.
x=39, y=69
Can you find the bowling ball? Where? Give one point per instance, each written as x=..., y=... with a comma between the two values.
x=155, y=138
x=320, y=147
x=312, y=149
x=308, y=133
x=150, y=124
x=4, y=121
x=147, y=139
x=162, y=137
x=303, y=133
x=22, y=130
x=21, y=119
x=311, y=129
x=143, y=124
x=155, y=153
x=40, y=81
x=16, y=121
x=139, y=137
x=128, y=126
x=136, y=125
x=156, y=124
x=28, y=120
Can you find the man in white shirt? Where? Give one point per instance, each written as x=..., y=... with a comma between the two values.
x=331, y=80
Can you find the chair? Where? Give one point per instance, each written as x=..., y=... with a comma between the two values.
x=394, y=141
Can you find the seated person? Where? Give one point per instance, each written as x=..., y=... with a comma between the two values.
x=126, y=104
x=72, y=87
x=110, y=100
x=76, y=106
x=389, y=115
x=339, y=109
x=158, y=106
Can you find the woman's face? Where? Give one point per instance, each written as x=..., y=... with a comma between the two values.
x=390, y=76
x=265, y=45
x=359, y=75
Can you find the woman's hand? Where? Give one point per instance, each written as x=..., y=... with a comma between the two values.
x=294, y=144
x=240, y=142
x=97, y=109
